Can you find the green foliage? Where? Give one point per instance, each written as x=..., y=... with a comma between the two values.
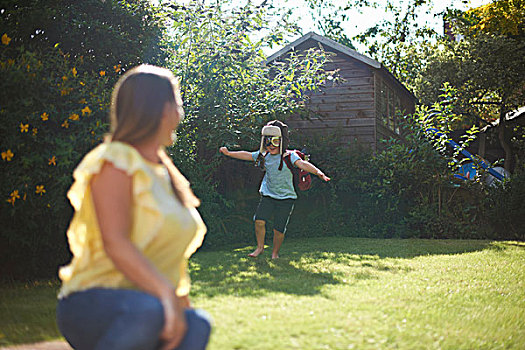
x=504, y=206
x=438, y=121
x=104, y=33
x=329, y=17
x=405, y=189
x=500, y=17
x=54, y=99
x=228, y=90
x=52, y=115
x=398, y=42
x=486, y=69
x=54, y=102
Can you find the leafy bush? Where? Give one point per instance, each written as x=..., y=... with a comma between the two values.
x=406, y=189
x=103, y=33
x=59, y=61
x=52, y=114
x=504, y=207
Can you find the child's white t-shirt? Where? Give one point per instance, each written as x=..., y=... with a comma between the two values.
x=277, y=184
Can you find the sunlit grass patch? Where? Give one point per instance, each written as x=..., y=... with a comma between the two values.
x=336, y=293
x=340, y=293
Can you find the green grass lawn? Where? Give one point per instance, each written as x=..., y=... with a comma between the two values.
x=336, y=293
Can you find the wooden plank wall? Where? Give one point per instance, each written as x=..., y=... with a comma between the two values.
x=406, y=99
x=382, y=131
x=346, y=108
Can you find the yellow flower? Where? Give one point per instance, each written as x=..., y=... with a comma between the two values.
x=74, y=116
x=24, y=127
x=74, y=71
x=40, y=189
x=5, y=39
x=82, y=101
x=117, y=68
x=7, y=155
x=35, y=131
x=44, y=116
x=15, y=194
x=65, y=124
x=102, y=73
x=13, y=197
x=64, y=78
x=52, y=160
x=82, y=83
x=86, y=110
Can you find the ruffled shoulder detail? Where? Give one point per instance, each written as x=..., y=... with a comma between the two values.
x=121, y=155
x=128, y=159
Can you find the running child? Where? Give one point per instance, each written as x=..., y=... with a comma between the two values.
x=277, y=189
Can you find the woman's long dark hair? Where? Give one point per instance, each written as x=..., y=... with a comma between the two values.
x=137, y=106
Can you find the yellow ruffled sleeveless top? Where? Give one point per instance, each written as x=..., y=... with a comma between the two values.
x=165, y=231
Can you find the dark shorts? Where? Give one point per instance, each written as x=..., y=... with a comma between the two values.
x=278, y=209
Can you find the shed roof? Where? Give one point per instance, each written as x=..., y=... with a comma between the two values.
x=339, y=48
x=328, y=42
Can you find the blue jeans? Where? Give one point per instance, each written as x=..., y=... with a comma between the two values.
x=118, y=319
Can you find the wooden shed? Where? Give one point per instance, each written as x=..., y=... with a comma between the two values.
x=363, y=106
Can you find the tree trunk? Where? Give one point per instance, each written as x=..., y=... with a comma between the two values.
x=504, y=140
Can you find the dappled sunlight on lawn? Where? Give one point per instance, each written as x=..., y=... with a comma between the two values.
x=239, y=275
x=307, y=266
x=333, y=293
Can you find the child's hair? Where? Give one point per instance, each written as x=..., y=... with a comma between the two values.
x=137, y=107
x=285, y=141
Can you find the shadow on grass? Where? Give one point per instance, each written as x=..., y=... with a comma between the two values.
x=233, y=273
x=306, y=265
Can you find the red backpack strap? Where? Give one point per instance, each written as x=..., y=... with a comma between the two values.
x=287, y=159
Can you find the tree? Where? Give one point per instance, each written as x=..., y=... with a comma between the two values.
x=499, y=17
x=59, y=61
x=229, y=91
x=103, y=33
x=399, y=41
x=486, y=67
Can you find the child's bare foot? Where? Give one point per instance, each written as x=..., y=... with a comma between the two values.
x=275, y=256
x=256, y=253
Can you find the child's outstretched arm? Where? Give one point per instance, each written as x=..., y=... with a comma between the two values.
x=307, y=166
x=243, y=155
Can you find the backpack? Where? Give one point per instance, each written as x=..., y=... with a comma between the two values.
x=301, y=179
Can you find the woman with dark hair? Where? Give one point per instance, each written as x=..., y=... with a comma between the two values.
x=134, y=228
x=277, y=189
